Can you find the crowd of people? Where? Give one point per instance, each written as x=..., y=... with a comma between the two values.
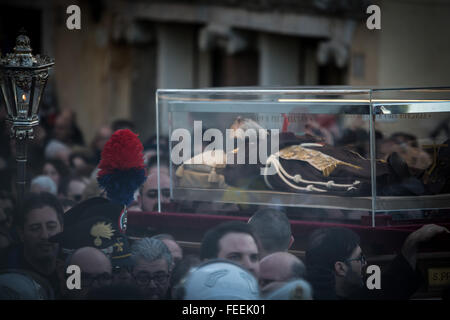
x=237, y=260
x=65, y=221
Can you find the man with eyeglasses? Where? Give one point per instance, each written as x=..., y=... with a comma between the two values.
x=152, y=261
x=336, y=265
x=96, y=271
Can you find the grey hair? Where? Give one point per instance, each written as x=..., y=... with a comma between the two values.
x=150, y=249
x=54, y=147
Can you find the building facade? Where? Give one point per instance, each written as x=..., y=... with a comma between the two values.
x=125, y=50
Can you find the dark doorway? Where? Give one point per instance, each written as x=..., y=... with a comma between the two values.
x=332, y=75
x=239, y=69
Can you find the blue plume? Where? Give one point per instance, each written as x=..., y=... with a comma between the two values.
x=120, y=185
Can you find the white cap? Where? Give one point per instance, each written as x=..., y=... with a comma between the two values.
x=220, y=280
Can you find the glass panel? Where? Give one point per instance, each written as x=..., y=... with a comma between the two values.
x=7, y=94
x=412, y=128
x=23, y=101
x=298, y=149
x=38, y=89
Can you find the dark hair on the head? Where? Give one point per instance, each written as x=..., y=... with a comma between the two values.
x=210, y=244
x=273, y=229
x=298, y=270
x=37, y=201
x=59, y=165
x=164, y=160
x=83, y=155
x=67, y=202
x=152, y=142
x=328, y=245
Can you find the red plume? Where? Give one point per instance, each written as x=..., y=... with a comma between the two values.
x=123, y=151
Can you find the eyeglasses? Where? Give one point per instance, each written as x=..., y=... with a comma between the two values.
x=88, y=279
x=144, y=278
x=154, y=193
x=361, y=259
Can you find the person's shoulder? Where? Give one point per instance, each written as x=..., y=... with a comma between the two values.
x=10, y=257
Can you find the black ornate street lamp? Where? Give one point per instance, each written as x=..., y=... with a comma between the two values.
x=22, y=79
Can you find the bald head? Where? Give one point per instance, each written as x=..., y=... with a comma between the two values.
x=95, y=269
x=280, y=267
x=91, y=260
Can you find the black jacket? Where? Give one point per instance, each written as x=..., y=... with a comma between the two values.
x=398, y=282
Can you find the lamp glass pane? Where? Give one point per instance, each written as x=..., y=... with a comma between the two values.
x=8, y=94
x=38, y=89
x=22, y=100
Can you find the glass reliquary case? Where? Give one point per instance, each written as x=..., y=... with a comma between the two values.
x=318, y=153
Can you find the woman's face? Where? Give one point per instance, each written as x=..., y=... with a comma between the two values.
x=49, y=170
